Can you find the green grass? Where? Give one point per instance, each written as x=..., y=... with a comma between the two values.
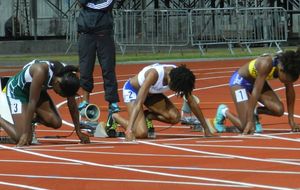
x=136, y=56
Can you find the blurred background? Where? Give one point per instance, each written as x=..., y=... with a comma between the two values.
x=44, y=26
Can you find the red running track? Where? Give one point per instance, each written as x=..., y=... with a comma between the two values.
x=179, y=158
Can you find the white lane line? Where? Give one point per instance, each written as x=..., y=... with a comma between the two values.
x=145, y=171
x=116, y=167
x=296, y=160
x=21, y=186
x=212, y=78
x=213, y=169
x=180, y=134
x=219, y=141
x=173, y=139
x=216, y=68
x=39, y=162
x=123, y=180
x=238, y=147
x=220, y=154
x=216, y=137
x=219, y=72
x=94, y=147
x=95, y=142
x=131, y=154
x=239, y=136
x=280, y=138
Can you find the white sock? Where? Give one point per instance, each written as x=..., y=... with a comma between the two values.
x=255, y=111
x=224, y=111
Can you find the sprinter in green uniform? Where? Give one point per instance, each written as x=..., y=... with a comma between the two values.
x=29, y=100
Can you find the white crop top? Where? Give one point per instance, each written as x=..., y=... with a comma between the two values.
x=158, y=87
x=28, y=77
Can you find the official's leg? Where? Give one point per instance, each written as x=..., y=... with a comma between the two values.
x=107, y=58
x=87, y=56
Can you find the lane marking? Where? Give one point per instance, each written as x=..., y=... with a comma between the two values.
x=219, y=72
x=123, y=180
x=94, y=147
x=236, y=147
x=131, y=154
x=217, y=141
x=280, y=138
x=40, y=162
x=21, y=186
x=144, y=171
x=220, y=154
x=213, y=169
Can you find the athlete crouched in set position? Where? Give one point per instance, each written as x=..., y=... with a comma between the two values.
x=147, y=88
x=29, y=101
x=249, y=86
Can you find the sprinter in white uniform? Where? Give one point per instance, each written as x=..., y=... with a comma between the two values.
x=147, y=88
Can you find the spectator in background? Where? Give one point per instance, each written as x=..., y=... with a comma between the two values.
x=96, y=37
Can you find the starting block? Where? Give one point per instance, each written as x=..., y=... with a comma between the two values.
x=98, y=129
x=94, y=128
x=188, y=118
x=228, y=129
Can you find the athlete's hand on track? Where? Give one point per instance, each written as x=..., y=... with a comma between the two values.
x=24, y=140
x=129, y=136
x=295, y=127
x=249, y=129
x=84, y=139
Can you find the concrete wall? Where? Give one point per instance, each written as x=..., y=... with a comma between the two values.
x=36, y=47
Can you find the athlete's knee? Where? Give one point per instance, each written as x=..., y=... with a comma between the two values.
x=173, y=117
x=55, y=122
x=141, y=134
x=278, y=109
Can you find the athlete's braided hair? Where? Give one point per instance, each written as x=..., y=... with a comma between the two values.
x=69, y=80
x=182, y=80
x=290, y=61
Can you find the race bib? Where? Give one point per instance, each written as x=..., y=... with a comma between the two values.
x=241, y=95
x=129, y=95
x=15, y=106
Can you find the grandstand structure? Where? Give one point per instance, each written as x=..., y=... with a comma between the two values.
x=161, y=23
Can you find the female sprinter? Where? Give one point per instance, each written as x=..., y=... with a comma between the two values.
x=28, y=99
x=249, y=85
x=147, y=88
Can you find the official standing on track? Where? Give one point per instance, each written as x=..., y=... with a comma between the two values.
x=96, y=37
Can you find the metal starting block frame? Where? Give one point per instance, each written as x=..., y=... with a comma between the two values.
x=94, y=128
